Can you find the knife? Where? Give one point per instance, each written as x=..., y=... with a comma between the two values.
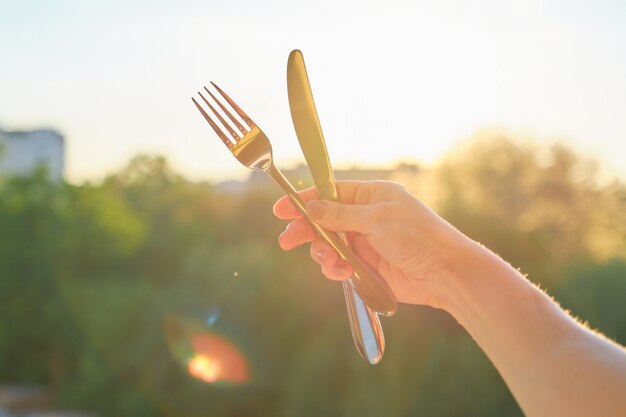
x=366, y=329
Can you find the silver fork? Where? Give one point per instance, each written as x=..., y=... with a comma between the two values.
x=253, y=149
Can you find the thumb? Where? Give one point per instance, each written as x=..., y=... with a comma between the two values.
x=339, y=217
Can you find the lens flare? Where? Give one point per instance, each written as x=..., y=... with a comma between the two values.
x=219, y=359
x=208, y=356
x=213, y=315
x=203, y=368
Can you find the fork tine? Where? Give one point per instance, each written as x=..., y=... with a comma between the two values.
x=221, y=119
x=215, y=127
x=242, y=129
x=240, y=112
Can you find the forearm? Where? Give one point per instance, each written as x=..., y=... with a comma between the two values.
x=552, y=364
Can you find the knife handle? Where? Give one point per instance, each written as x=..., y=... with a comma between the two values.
x=367, y=282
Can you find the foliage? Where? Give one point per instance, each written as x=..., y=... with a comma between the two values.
x=90, y=273
x=595, y=292
x=539, y=208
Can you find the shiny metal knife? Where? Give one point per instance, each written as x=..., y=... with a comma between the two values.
x=367, y=331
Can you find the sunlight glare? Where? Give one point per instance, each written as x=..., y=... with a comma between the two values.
x=204, y=368
x=206, y=355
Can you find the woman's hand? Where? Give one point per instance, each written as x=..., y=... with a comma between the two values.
x=553, y=365
x=415, y=250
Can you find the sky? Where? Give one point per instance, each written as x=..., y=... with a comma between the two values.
x=393, y=81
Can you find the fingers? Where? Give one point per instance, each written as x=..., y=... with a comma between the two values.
x=350, y=192
x=297, y=232
x=364, y=249
x=323, y=253
x=338, y=272
x=340, y=217
x=333, y=267
x=284, y=208
x=363, y=204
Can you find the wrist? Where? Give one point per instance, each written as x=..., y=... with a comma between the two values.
x=469, y=266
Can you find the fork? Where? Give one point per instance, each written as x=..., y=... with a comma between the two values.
x=253, y=149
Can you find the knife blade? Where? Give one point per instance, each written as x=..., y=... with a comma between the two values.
x=366, y=329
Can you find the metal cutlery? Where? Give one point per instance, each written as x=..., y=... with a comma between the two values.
x=252, y=148
x=367, y=331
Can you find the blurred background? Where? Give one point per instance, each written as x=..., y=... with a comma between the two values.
x=139, y=269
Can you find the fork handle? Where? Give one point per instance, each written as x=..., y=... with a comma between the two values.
x=367, y=282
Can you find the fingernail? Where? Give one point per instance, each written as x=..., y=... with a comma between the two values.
x=320, y=255
x=316, y=208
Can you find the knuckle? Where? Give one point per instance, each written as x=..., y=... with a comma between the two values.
x=399, y=188
x=336, y=214
x=395, y=188
x=384, y=190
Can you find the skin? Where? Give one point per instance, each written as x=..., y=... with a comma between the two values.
x=553, y=365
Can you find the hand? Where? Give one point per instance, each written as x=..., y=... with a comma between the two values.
x=415, y=250
x=554, y=365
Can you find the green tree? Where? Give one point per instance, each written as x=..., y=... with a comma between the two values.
x=595, y=292
x=33, y=255
x=537, y=207
x=89, y=274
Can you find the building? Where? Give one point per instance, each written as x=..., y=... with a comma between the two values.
x=23, y=152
